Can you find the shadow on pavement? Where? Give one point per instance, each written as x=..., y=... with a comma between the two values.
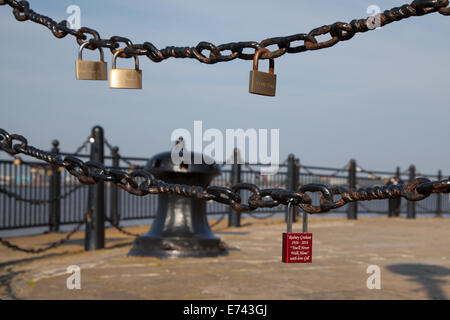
x=30, y=259
x=6, y=280
x=80, y=242
x=428, y=276
x=241, y=233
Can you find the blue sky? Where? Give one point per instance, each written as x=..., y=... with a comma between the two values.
x=381, y=98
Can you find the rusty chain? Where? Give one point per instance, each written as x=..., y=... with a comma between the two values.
x=114, y=151
x=370, y=174
x=53, y=245
x=39, y=202
x=83, y=145
x=141, y=183
x=334, y=174
x=371, y=210
x=339, y=31
x=269, y=215
x=211, y=225
x=121, y=229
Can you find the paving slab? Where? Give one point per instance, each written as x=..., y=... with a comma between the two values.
x=413, y=257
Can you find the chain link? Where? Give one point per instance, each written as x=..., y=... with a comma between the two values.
x=53, y=245
x=114, y=151
x=371, y=210
x=258, y=217
x=218, y=220
x=337, y=32
x=83, y=145
x=334, y=174
x=39, y=202
x=141, y=183
x=120, y=229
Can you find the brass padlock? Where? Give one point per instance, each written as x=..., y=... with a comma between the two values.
x=262, y=83
x=90, y=70
x=125, y=78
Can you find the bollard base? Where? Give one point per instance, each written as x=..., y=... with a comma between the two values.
x=177, y=247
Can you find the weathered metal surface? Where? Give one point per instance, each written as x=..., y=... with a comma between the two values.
x=90, y=70
x=263, y=83
x=338, y=31
x=141, y=183
x=95, y=223
x=125, y=78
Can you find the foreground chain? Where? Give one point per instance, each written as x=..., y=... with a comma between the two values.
x=338, y=31
x=141, y=183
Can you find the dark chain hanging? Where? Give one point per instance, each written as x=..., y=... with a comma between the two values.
x=53, y=245
x=141, y=183
x=338, y=31
x=38, y=202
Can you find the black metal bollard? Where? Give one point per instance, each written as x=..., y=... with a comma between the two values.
x=95, y=224
x=114, y=190
x=411, y=206
x=180, y=228
x=292, y=181
x=352, y=212
x=55, y=193
x=439, y=198
x=234, y=218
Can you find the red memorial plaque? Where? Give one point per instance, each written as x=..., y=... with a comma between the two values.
x=297, y=248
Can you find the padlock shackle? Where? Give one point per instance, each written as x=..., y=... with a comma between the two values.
x=256, y=60
x=305, y=222
x=291, y=211
x=290, y=217
x=80, y=52
x=136, y=60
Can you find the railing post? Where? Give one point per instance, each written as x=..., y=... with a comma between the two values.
x=398, y=175
x=352, y=212
x=234, y=218
x=114, y=190
x=292, y=181
x=395, y=204
x=55, y=193
x=95, y=224
x=411, y=208
x=439, y=198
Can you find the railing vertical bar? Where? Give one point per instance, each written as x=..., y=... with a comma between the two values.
x=34, y=195
x=28, y=195
x=14, y=216
x=411, y=212
x=3, y=166
x=439, y=199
